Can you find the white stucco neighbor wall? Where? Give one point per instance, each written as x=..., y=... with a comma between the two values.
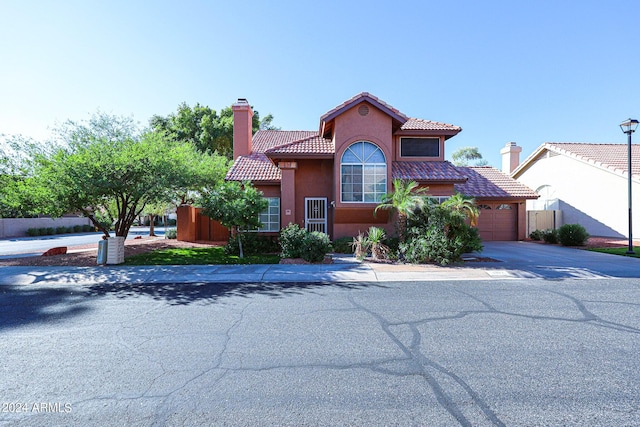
x=587, y=195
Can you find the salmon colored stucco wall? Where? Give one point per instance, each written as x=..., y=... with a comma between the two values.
x=350, y=127
x=314, y=179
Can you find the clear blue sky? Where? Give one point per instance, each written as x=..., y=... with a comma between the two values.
x=504, y=71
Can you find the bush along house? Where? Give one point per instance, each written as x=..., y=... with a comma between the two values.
x=331, y=179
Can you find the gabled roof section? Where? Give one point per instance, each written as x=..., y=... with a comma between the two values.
x=255, y=167
x=487, y=182
x=264, y=140
x=313, y=146
x=609, y=157
x=327, y=118
x=427, y=172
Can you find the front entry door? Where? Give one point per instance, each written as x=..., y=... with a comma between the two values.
x=315, y=214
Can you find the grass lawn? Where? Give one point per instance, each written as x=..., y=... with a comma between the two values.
x=197, y=256
x=617, y=251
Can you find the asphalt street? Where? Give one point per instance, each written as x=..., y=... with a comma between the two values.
x=524, y=352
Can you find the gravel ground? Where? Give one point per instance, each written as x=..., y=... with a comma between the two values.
x=85, y=256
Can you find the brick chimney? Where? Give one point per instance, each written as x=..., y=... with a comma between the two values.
x=242, y=128
x=510, y=157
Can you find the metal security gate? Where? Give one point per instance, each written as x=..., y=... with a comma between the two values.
x=315, y=214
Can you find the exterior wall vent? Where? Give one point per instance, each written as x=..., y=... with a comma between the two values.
x=363, y=110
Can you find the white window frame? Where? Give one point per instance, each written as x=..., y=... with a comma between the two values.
x=270, y=217
x=377, y=195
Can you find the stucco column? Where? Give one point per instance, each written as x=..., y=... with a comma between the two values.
x=288, y=193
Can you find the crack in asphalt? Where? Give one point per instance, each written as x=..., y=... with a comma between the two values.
x=418, y=361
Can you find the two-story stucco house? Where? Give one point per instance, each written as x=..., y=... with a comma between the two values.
x=331, y=179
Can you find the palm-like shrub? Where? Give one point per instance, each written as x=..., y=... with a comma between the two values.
x=375, y=237
x=405, y=199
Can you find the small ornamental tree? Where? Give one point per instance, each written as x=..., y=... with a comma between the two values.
x=236, y=206
x=108, y=170
x=405, y=199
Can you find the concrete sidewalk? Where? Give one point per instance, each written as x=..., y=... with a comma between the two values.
x=508, y=260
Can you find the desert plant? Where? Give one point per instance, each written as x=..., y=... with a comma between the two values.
x=375, y=237
x=315, y=246
x=405, y=199
x=359, y=244
x=572, y=235
x=550, y=235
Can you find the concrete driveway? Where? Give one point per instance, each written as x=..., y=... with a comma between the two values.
x=535, y=260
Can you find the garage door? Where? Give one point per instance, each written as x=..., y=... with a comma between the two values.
x=498, y=221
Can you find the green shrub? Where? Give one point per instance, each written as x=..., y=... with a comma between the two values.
x=33, y=232
x=252, y=244
x=550, y=235
x=438, y=234
x=315, y=246
x=61, y=230
x=87, y=228
x=572, y=235
x=291, y=240
x=171, y=233
x=50, y=231
x=342, y=245
x=536, y=235
x=77, y=228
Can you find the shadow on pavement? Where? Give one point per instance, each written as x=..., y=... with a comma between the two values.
x=25, y=305
x=188, y=293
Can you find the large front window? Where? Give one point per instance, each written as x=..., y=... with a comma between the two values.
x=363, y=173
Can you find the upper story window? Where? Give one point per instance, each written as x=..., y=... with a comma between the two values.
x=363, y=173
x=419, y=147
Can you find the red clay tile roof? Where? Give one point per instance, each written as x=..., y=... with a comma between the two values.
x=612, y=157
x=309, y=146
x=420, y=124
x=487, y=182
x=254, y=167
x=364, y=96
x=427, y=171
x=266, y=139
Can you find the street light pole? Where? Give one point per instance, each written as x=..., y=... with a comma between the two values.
x=629, y=126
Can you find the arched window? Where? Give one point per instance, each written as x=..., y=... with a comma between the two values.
x=363, y=173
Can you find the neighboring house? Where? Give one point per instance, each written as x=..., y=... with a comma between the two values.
x=587, y=183
x=331, y=179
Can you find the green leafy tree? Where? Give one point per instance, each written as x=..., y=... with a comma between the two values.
x=109, y=171
x=236, y=206
x=204, y=127
x=465, y=155
x=465, y=204
x=405, y=199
